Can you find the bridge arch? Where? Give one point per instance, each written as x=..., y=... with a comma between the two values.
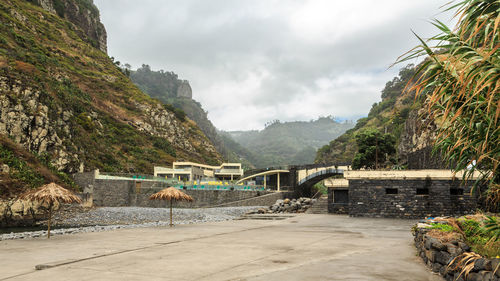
x=318, y=176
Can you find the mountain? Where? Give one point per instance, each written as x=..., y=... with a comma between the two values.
x=289, y=142
x=64, y=101
x=168, y=88
x=399, y=114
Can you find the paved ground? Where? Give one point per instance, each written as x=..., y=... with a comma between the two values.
x=304, y=247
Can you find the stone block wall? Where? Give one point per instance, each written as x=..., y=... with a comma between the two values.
x=202, y=198
x=438, y=255
x=414, y=198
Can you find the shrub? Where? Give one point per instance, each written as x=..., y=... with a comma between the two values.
x=442, y=227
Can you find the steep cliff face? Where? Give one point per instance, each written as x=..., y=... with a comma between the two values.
x=64, y=100
x=82, y=13
x=416, y=142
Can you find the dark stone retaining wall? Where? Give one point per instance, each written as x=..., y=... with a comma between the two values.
x=399, y=199
x=115, y=193
x=438, y=255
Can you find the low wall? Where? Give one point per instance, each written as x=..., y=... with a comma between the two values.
x=437, y=255
x=264, y=200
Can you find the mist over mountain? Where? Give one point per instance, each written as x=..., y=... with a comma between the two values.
x=283, y=143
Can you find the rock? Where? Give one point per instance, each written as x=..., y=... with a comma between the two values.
x=184, y=90
x=436, y=267
x=482, y=264
x=436, y=244
x=495, y=265
x=464, y=246
x=286, y=201
x=4, y=169
x=453, y=249
x=443, y=257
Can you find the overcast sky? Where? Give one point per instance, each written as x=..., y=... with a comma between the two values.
x=253, y=61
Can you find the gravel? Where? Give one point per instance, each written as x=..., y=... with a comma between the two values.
x=111, y=218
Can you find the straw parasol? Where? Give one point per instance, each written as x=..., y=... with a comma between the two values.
x=49, y=194
x=171, y=193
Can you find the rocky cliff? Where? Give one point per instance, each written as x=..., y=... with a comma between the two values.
x=64, y=100
x=416, y=142
x=82, y=13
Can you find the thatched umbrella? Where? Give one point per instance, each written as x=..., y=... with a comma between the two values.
x=169, y=194
x=49, y=194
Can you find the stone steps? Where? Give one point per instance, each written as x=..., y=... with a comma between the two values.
x=320, y=206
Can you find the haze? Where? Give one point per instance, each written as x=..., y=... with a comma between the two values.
x=250, y=61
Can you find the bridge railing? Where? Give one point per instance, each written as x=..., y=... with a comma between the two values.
x=319, y=173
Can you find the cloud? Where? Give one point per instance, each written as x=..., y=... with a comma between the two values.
x=252, y=61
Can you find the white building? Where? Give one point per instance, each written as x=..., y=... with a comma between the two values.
x=190, y=171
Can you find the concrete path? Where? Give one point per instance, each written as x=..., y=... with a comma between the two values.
x=304, y=247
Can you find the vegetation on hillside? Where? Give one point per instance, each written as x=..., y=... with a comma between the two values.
x=48, y=55
x=387, y=116
x=375, y=150
x=289, y=142
x=460, y=80
x=21, y=168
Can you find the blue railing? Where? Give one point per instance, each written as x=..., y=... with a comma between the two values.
x=221, y=187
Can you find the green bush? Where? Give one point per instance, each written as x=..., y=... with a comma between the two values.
x=442, y=227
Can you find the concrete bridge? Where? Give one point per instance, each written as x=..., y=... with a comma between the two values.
x=299, y=178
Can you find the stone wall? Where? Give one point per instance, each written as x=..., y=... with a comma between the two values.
x=399, y=198
x=115, y=193
x=438, y=255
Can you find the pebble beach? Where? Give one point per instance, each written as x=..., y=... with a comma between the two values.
x=112, y=218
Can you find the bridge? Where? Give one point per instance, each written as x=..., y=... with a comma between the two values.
x=295, y=177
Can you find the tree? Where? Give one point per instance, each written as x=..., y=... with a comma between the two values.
x=374, y=149
x=460, y=81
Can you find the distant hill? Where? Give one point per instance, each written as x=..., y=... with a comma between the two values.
x=283, y=143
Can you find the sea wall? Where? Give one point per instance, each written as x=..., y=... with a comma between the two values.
x=115, y=193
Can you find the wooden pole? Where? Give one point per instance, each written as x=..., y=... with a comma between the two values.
x=171, y=213
x=50, y=217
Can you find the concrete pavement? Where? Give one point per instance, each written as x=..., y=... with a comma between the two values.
x=304, y=247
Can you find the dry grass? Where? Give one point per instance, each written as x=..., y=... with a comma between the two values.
x=171, y=193
x=465, y=262
x=25, y=67
x=444, y=236
x=51, y=193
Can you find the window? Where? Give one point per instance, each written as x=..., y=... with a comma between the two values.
x=391, y=191
x=456, y=191
x=341, y=196
x=422, y=191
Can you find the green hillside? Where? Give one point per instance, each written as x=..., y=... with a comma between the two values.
x=387, y=116
x=63, y=99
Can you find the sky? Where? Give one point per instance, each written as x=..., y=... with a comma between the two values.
x=253, y=61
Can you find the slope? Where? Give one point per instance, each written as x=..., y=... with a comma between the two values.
x=63, y=99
